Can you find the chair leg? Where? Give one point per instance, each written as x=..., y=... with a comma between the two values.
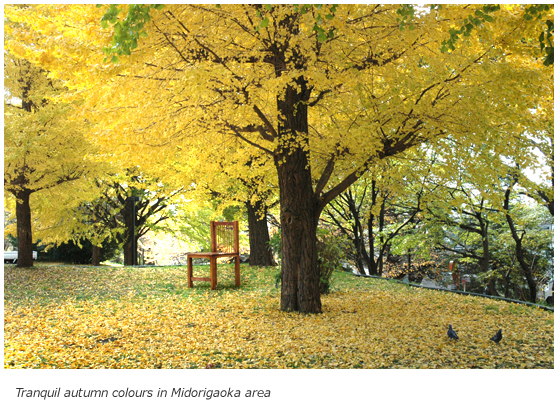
x=190, y=273
x=237, y=271
x=213, y=272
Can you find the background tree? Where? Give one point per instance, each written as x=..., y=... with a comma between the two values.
x=531, y=233
x=77, y=252
x=541, y=191
x=255, y=190
x=373, y=212
x=112, y=214
x=44, y=147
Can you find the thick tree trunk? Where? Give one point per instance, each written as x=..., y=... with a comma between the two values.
x=361, y=255
x=300, y=281
x=96, y=256
x=24, y=233
x=260, y=252
x=300, y=289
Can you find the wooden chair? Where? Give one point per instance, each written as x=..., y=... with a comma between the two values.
x=224, y=243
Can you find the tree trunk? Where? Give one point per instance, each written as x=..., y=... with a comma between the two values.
x=24, y=232
x=129, y=243
x=96, y=256
x=300, y=289
x=260, y=252
x=522, y=262
x=492, y=287
x=519, y=248
x=127, y=249
x=376, y=265
x=371, y=262
x=485, y=261
x=300, y=280
x=358, y=234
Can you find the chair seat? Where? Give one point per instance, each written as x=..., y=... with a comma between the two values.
x=211, y=254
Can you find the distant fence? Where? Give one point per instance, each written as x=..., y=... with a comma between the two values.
x=462, y=292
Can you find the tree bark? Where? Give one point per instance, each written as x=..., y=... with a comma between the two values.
x=362, y=257
x=485, y=261
x=519, y=249
x=371, y=261
x=96, y=256
x=300, y=280
x=24, y=232
x=492, y=287
x=128, y=248
x=300, y=289
x=260, y=252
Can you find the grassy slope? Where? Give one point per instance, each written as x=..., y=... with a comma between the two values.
x=85, y=317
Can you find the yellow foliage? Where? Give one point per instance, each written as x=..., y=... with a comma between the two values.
x=175, y=107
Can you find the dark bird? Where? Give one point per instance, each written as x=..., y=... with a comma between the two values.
x=498, y=337
x=452, y=334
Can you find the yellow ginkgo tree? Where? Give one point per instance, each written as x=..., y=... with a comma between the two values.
x=323, y=103
x=44, y=148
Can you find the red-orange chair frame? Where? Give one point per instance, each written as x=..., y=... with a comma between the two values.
x=224, y=243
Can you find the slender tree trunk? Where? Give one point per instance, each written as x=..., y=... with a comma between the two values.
x=492, y=287
x=384, y=243
x=24, y=232
x=260, y=252
x=129, y=233
x=362, y=255
x=519, y=248
x=485, y=261
x=96, y=256
x=128, y=254
x=371, y=262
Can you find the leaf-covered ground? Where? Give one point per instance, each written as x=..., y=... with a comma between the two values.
x=85, y=317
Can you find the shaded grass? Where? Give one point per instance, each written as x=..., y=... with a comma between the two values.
x=85, y=317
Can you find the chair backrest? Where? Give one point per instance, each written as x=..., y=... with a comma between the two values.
x=224, y=237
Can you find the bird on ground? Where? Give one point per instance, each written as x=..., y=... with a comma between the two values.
x=498, y=337
x=452, y=334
